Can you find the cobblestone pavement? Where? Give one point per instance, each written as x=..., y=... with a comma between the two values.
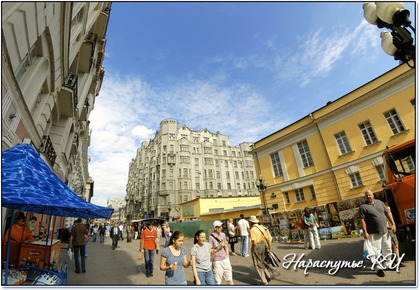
x=121, y=267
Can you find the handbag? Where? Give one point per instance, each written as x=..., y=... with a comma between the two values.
x=368, y=251
x=233, y=240
x=70, y=254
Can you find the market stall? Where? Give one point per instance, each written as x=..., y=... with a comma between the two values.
x=28, y=184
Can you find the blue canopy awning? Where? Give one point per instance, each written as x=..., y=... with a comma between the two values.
x=28, y=184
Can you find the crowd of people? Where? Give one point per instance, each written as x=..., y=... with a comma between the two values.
x=209, y=256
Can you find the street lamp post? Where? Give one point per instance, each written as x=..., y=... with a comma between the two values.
x=262, y=187
x=393, y=16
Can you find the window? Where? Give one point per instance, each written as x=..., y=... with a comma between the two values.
x=184, y=159
x=227, y=175
x=206, y=139
x=163, y=172
x=197, y=186
x=215, y=152
x=219, y=186
x=313, y=194
x=171, y=185
x=185, y=198
x=299, y=195
x=355, y=179
x=195, y=139
x=197, y=173
x=216, y=162
x=235, y=164
x=275, y=160
x=171, y=136
x=224, y=153
x=163, y=186
x=207, y=150
x=305, y=154
x=236, y=174
x=208, y=161
x=368, y=133
x=196, y=161
x=286, y=198
x=171, y=173
x=226, y=163
x=342, y=142
x=217, y=174
x=394, y=121
x=184, y=136
x=238, y=185
x=185, y=171
x=224, y=143
x=233, y=153
x=210, y=173
x=184, y=148
x=228, y=186
x=380, y=171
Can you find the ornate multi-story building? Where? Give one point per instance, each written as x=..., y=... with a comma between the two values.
x=180, y=164
x=52, y=55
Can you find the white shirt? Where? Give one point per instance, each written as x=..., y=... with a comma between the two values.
x=243, y=226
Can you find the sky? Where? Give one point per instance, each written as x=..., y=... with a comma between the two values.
x=246, y=69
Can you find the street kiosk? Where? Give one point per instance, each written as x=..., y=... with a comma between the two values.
x=28, y=184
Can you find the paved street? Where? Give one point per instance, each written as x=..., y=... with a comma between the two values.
x=121, y=267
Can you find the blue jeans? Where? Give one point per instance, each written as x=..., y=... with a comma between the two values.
x=148, y=261
x=166, y=240
x=79, y=250
x=206, y=278
x=244, y=245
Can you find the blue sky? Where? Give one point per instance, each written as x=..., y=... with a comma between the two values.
x=246, y=69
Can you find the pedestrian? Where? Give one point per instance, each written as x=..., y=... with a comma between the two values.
x=159, y=233
x=115, y=235
x=121, y=227
x=222, y=267
x=373, y=218
x=31, y=225
x=148, y=246
x=394, y=239
x=173, y=260
x=20, y=231
x=95, y=231
x=311, y=230
x=233, y=239
x=260, y=244
x=78, y=234
x=129, y=233
x=201, y=254
x=107, y=230
x=243, y=226
x=102, y=231
x=167, y=232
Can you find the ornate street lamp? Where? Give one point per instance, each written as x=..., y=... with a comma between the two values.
x=262, y=187
x=393, y=16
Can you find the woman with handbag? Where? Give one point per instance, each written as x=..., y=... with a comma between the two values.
x=233, y=238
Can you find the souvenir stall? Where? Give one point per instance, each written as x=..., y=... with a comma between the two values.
x=28, y=184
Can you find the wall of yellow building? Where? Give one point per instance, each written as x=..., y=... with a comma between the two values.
x=200, y=208
x=324, y=182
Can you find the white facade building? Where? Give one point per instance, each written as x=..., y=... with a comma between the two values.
x=51, y=73
x=180, y=164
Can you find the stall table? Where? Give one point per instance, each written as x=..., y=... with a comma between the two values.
x=39, y=252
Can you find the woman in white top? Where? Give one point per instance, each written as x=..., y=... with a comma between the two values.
x=233, y=239
x=201, y=254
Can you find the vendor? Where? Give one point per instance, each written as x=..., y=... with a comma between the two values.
x=20, y=232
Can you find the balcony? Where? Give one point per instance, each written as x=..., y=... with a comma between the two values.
x=67, y=97
x=48, y=150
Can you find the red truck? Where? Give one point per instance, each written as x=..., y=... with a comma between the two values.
x=400, y=171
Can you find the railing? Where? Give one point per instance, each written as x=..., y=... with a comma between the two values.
x=47, y=148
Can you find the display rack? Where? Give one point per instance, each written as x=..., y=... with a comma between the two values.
x=44, y=277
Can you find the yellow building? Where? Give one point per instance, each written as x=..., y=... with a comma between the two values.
x=334, y=154
x=220, y=208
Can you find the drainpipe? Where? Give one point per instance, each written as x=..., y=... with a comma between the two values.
x=328, y=156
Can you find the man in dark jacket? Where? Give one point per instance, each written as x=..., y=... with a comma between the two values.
x=78, y=234
x=115, y=235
